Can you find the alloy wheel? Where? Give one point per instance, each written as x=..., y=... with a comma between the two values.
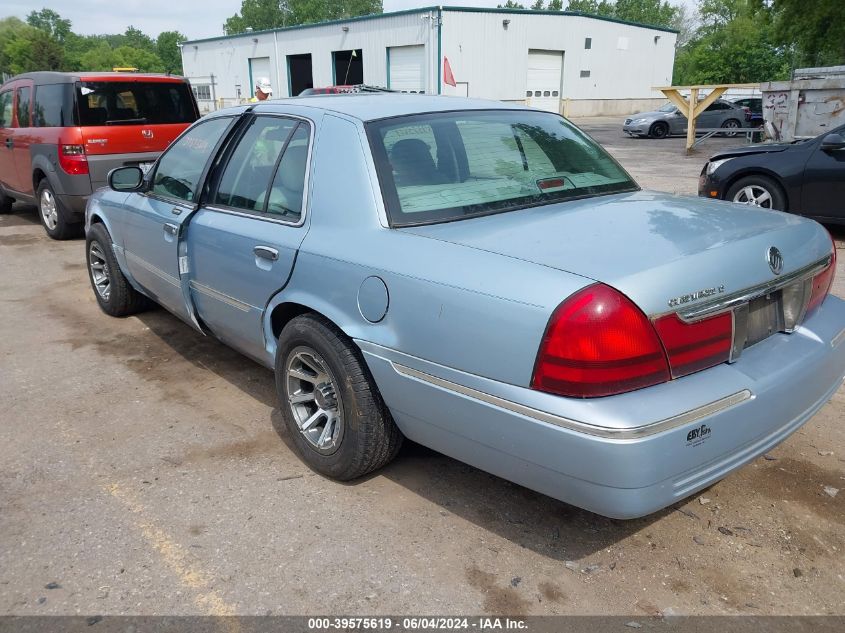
x=100, y=273
x=755, y=196
x=49, y=209
x=314, y=400
x=730, y=125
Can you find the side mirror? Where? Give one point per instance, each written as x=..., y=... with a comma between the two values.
x=833, y=142
x=126, y=179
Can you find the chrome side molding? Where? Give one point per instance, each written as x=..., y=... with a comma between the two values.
x=666, y=424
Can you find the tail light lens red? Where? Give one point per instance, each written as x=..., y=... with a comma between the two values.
x=692, y=347
x=73, y=160
x=599, y=343
x=822, y=283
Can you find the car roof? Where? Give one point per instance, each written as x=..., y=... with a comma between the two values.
x=50, y=77
x=372, y=106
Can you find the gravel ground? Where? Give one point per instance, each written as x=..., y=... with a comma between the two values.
x=144, y=470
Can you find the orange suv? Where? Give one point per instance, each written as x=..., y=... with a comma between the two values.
x=61, y=134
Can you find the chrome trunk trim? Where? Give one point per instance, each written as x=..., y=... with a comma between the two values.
x=666, y=424
x=728, y=302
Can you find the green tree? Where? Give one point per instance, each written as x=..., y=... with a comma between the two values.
x=555, y=5
x=817, y=29
x=167, y=49
x=135, y=38
x=51, y=22
x=510, y=4
x=538, y=5
x=32, y=49
x=594, y=7
x=269, y=14
x=656, y=12
x=734, y=44
x=10, y=29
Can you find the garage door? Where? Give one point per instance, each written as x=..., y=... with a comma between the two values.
x=543, y=85
x=407, y=68
x=260, y=67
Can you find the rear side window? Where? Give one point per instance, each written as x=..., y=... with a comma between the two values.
x=53, y=106
x=134, y=103
x=24, y=103
x=180, y=168
x=266, y=172
x=6, y=108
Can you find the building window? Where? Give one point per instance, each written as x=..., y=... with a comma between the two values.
x=588, y=42
x=585, y=73
x=202, y=92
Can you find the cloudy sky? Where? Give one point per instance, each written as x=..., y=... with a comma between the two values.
x=194, y=19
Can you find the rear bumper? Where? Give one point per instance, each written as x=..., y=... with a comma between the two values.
x=638, y=452
x=100, y=165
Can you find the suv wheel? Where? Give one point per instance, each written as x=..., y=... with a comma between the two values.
x=112, y=290
x=5, y=203
x=330, y=404
x=53, y=215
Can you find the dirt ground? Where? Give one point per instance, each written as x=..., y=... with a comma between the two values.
x=144, y=470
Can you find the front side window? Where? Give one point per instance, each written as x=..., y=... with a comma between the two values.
x=180, y=168
x=449, y=166
x=24, y=101
x=266, y=172
x=134, y=103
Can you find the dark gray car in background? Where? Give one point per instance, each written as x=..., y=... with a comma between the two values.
x=668, y=120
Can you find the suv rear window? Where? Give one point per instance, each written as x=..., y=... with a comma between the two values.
x=450, y=166
x=134, y=103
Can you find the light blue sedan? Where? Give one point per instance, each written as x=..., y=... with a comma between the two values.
x=485, y=280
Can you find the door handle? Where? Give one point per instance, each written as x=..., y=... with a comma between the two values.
x=265, y=252
x=10, y=143
x=171, y=229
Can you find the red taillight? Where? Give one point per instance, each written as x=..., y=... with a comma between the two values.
x=695, y=346
x=822, y=283
x=599, y=343
x=73, y=160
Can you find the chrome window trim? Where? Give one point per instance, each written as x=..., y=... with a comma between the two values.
x=637, y=432
x=728, y=302
x=306, y=189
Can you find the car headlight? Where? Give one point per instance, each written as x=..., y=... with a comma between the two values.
x=640, y=121
x=713, y=165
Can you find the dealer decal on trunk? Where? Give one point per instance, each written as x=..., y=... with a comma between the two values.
x=697, y=436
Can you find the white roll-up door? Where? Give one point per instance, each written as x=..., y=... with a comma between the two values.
x=407, y=68
x=543, y=85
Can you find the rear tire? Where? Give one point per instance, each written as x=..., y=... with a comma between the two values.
x=53, y=214
x=757, y=191
x=659, y=130
x=731, y=124
x=5, y=203
x=112, y=290
x=330, y=403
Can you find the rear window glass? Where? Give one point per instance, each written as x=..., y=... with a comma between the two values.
x=134, y=103
x=449, y=166
x=53, y=106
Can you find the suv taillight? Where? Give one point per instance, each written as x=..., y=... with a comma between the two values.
x=822, y=283
x=599, y=343
x=73, y=160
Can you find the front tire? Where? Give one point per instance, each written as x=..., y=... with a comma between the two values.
x=330, y=404
x=659, y=130
x=53, y=215
x=114, y=294
x=757, y=191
